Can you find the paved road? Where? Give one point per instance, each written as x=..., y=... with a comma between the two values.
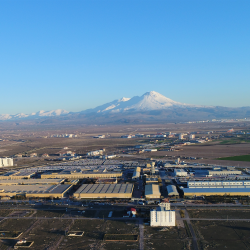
x=195, y=245
x=141, y=227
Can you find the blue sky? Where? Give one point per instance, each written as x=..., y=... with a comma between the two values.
x=76, y=55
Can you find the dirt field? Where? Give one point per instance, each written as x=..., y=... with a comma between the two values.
x=220, y=214
x=231, y=235
x=26, y=140
x=172, y=238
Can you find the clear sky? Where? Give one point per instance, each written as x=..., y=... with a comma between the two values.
x=79, y=54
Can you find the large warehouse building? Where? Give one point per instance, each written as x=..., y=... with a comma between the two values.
x=223, y=172
x=180, y=172
x=152, y=191
x=80, y=174
x=16, y=175
x=208, y=188
x=41, y=191
x=104, y=191
x=31, y=182
x=172, y=190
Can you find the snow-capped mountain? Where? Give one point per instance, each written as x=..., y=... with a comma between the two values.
x=151, y=107
x=41, y=113
x=149, y=101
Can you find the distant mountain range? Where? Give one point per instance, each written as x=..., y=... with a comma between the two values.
x=38, y=114
x=150, y=107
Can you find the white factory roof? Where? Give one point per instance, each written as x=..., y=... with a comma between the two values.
x=172, y=190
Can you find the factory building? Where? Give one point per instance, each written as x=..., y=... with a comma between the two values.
x=101, y=191
x=181, y=136
x=80, y=174
x=180, y=172
x=216, y=191
x=31, y=182
x=191, y=136
x=172, y=191
x=223, y=172
x=153, y=179
x=152, y=191
x=6, y=162
x=162, y=216
x=208, y=188
x=136, y=173
x=218, y=184
x=96, y=152
x=150, y=150
x=41, y=191
x=15, y=175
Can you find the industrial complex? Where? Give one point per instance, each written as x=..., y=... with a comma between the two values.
x=113, y=179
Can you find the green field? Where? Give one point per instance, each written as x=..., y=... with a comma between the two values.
x=236, y=158
x=235, y=141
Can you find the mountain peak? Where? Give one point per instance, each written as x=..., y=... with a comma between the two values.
x=152, y=93
x=149, y=101
x=124, y=99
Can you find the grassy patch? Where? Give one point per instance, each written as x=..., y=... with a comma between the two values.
x=235, y=141
x=121, y=237
x=236, y=158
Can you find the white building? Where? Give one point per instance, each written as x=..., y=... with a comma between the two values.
x=191, y=136
x=162, y=216
x=181, y=136
x=160, y=136
x=224, y=172
x=6, y=162
x=150, y=150
x=180, y=172
x=96, y=152
x=136, y=173
x=99, y=136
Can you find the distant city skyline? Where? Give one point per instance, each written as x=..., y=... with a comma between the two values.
x=78, y=55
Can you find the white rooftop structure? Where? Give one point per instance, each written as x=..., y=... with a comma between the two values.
x=172, y=190
x=180, y=172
